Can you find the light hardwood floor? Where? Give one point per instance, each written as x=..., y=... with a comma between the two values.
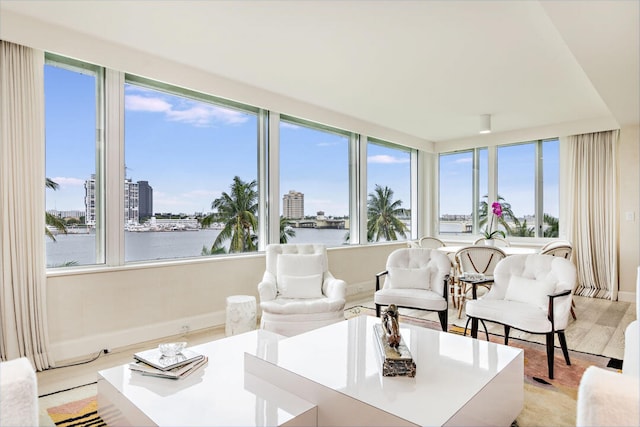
x=599, y=329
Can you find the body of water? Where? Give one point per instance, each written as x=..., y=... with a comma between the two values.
x=144, y=246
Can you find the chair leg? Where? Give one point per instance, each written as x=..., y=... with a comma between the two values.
x=549, y=336
x=573, y=313
x=377, y=310
x=466, y=326
x=474, y=327
x=486, y=331
x=563, y=345
x=444, y=319
x=506, y=334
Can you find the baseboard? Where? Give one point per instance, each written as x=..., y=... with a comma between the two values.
x=90, y=345
x=626, y=296
x=360, y=288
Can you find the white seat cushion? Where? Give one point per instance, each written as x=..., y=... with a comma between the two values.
x=415, y=298
x=302, y=305
x=519, y=315
x=299, y=275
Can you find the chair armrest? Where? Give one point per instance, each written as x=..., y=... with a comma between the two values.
x=267, y=287
x=378, y=276
x=631, y=361
x=334, y=288
x=552, y=298
x=18, y=393
x=559, y=294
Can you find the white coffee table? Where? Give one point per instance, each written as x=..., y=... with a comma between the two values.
x=459, y=381
x=329, y=377
x=219, y=394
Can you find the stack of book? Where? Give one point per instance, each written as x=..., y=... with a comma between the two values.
x=153, y=363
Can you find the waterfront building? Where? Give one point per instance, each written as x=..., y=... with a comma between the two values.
x=145, y=195
x=131, y=201
x=293, y=205
x=90, y=200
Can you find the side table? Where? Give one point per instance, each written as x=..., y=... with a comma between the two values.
x=241, y=314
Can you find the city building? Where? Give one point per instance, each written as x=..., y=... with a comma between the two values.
x=293, y=205
x=131, y=201
x=145, y=196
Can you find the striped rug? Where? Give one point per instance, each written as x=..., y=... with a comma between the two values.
x=80, y=413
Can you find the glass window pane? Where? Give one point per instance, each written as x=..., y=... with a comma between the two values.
x=314, y=184
x=551, y=197
x=70, y=131
x=389, y=193
x=516, y=189
x=456, y=193
x=191, y=172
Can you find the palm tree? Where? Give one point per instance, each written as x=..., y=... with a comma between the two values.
x=553, y=229
x=50, y=219
x=382, y=213
x=238, y=211
x=285, y=230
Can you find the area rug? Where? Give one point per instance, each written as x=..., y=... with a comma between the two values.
x=546, y=402
x=79, y=413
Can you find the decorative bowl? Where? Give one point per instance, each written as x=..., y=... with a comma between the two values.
x=170, y=349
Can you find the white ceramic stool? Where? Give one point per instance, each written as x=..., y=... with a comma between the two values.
x=241, y=314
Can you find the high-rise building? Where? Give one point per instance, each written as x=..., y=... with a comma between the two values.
x=293, y=205
x=145, y=193
x=131, y=201
x=90, y=201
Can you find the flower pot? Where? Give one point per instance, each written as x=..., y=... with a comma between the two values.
x=489, y=242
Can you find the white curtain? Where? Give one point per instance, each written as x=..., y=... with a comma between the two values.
x=593, y=212
x=23, y=321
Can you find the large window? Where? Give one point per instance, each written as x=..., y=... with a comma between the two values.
x=72, y=96
x=314, y=183
x=526, y=185
x=388, y=192
x=463, y=180
x=191, y=171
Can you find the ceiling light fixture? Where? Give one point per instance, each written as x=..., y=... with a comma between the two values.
x=485, y=123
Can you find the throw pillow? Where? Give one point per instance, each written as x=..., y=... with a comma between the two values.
x=299, y=275
x=529, y=291
x=408, y=278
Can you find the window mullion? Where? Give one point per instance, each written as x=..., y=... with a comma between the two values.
x=114, y=170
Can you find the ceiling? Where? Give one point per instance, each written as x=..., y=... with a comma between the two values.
x=426, y=68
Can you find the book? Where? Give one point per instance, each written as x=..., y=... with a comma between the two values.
x=182, y=371
x=155, y=358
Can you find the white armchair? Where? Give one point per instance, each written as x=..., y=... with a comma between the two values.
x=415, y=278
x=531, y=293
x=607, y=398
x=18, y=393
x=298, y=293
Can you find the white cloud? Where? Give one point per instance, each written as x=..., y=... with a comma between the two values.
x=64, y=181
x=287, y=125
x=386, y=159
x=463, y=160
x=196, y=113
x=143, y=103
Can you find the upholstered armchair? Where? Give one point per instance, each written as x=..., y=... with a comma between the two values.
x=608, y=398
x=531, y=293
x=415, y=278
x=298, y=293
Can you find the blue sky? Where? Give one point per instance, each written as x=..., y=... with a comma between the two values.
x=516, y=179
x=189, y=151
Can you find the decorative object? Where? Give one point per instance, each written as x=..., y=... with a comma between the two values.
x=396, y=357
x=170, y=349
x=241, y=314
x=489, y=233
x=489, y=242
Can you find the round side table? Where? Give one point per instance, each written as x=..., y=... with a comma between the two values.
x=241, y=314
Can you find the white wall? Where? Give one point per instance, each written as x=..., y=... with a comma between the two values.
x=114, y=307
